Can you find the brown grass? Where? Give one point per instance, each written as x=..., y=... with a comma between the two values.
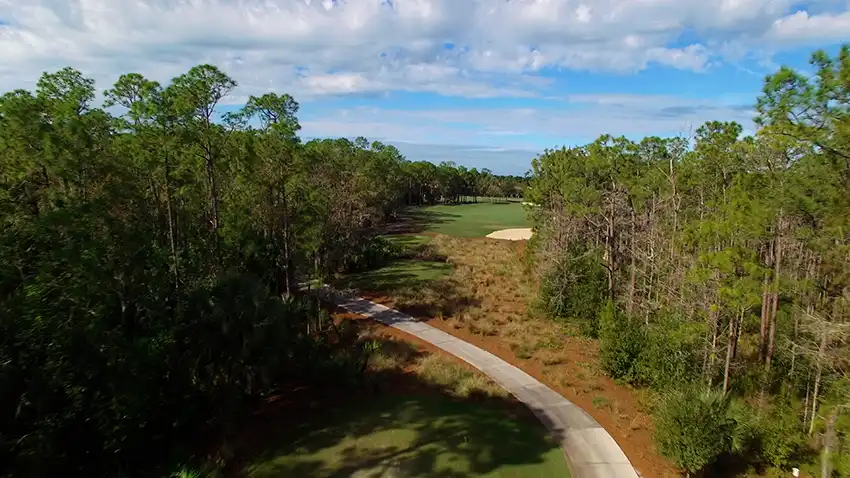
x=488, y=302
x=456, y=379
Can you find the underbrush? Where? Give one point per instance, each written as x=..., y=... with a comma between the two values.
x=435, y=369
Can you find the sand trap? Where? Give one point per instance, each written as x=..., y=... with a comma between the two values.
x=521, y=234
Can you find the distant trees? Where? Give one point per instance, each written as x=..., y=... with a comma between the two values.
x=449, y=183
x=732, y=253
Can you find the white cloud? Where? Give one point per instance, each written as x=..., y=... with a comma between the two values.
x=322, y=47
x=819, y=28
x=584, y=118
x=505, y=139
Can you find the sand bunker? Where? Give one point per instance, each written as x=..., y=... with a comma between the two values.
x=521, y=234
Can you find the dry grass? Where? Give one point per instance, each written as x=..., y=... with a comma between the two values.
x=488, y=299
x=436, y=369
x=462, y=381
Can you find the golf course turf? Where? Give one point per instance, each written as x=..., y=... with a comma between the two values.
x=471, y=220
x=413, y=436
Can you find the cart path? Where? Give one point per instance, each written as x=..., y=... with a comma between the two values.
x=591, y=452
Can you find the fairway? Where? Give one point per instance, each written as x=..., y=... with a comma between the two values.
x=405, y=436
x=406, y=273
x=471, y=220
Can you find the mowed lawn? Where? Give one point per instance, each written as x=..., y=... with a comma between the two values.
x=460, y=220
x=472, y=220
x=413, y=436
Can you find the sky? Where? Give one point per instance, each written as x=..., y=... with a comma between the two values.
x=484, y=83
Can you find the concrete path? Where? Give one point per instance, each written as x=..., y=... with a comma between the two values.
x=590, y=450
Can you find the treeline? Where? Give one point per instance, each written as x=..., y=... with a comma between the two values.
x=150, y=262
x=716, y=273
x=448, y=183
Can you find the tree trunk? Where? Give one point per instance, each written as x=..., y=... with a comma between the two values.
x=730, y=350
x=213, y=191
x=774, y=304
x=289, y=273
x=609, y=248
x=821, y=352
x=170, y=214
x=828, y=443
x=713, y=354
x=806, y=402
x=765, y=301
x=633, y=269
x=737, y=335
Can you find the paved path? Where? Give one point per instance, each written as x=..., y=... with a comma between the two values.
x=590, y=450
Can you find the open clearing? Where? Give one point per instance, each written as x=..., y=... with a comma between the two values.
x=469, y=220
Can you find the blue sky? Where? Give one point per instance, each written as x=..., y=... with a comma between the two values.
x=485, y=83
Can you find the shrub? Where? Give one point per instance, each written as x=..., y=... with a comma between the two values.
x=669, y=355
x=621, y=341
x=693, y=428
x=576, y=288
x=781, y=436
x=375, y=252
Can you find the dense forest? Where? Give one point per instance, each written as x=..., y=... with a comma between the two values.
x=150, y=256
x=714, y=271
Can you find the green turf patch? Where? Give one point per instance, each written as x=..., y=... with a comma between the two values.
x=470, y=220
x=409, y=241
x=398, y=275
x=393, y=436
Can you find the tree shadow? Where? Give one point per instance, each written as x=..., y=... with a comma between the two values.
x=394, y=424
x=745, y=464
x=416, y=220
x=398, y=275
x=420, y=288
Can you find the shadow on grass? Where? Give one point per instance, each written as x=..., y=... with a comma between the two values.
x=419, y=288
x=399, y=275
x=415, y=220
x=396, y=424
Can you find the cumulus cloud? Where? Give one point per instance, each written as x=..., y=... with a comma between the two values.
x=453, y=47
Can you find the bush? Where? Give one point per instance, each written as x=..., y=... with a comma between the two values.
x=669, y=356
x=621, y=342
x=781, y=437
x=693, y=428
x=373, y=253
x=773, y=436
x=576, y=288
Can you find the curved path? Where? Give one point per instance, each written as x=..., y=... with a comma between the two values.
x=591, y=452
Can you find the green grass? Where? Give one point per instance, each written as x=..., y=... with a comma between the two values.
x=396, y=436
x=400, y=274
x=471, y=220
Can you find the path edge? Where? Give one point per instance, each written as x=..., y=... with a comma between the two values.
x=590, y=451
